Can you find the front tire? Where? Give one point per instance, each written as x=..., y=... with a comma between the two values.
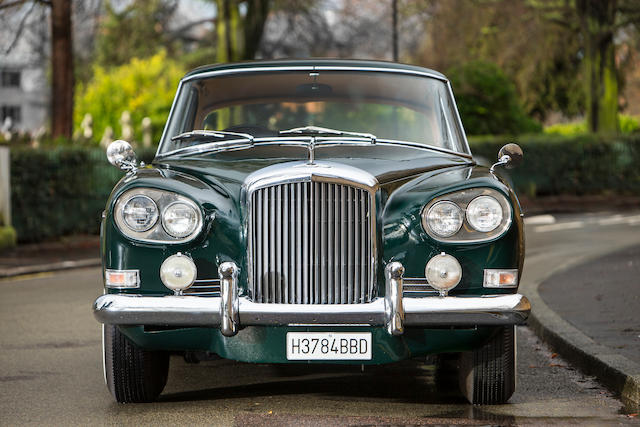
x=487, y=375
x=133, y=375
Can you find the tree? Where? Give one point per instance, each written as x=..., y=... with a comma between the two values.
x=488, y=101
x=598, y=22
x=62, y=79
x=143, y=87
x=138, y=30
x=238, y=34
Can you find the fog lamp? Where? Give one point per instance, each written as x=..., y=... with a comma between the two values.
x=178, y=272
x=497, y=278
x=443, y=273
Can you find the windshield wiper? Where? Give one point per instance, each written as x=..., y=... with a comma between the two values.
x=210, y=133
x=316, y=130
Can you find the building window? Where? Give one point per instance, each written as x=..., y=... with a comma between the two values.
x=11, y=111
x=10, y=78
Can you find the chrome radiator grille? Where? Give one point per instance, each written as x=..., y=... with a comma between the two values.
x=310, y=243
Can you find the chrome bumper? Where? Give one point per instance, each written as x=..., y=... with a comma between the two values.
x=229, y=311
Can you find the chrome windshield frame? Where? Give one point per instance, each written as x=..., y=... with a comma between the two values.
x=311, y=68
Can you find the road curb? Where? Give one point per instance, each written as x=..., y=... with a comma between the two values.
x=43, y=268
x=615, y=371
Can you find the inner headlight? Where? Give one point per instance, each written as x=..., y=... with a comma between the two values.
x=443, y=218
x=484, y=213
x=180, y=219
x=140, y=213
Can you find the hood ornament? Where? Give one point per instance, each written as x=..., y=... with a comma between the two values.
x=311, y=147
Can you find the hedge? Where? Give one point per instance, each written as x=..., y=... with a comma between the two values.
x=64, y=190
x=578, y=165
x=61, y=191
x=7, y=237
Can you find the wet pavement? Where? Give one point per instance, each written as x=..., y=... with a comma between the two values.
x=602, y=299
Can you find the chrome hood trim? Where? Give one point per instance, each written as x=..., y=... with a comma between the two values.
x=319, y=171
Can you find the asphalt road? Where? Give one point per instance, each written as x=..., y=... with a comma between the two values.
x=51, y=367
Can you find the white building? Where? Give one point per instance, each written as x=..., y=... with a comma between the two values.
x=24, y=88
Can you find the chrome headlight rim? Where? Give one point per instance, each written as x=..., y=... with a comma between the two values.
x=426, y=223
x=156, y=234
x=467, y=234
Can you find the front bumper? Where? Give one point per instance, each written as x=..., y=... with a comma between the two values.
x=229, y=312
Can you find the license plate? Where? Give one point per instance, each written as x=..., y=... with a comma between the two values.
x=328, y=345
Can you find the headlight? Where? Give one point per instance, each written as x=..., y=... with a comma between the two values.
x=157, y=216
x=468, y=216
x=443, y=218
x=140, y=213
x=179, y=219
x=484, y=213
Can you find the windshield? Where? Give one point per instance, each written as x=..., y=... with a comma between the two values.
x=389, y=105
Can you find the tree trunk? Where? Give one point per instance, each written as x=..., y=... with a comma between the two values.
x=257, y=12
x=597, y=21
x=61, y=69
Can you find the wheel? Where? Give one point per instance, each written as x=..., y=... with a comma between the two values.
x=132, y=374
x=487, y=376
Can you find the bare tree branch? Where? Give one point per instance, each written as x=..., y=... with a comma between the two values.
x=16, y=37
x=11, y=4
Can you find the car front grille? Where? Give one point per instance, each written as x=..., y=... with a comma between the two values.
x=311, y=243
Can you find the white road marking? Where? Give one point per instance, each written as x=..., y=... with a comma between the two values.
x=540, y=220
x=619, y=219
x=560, y=226
x=569, y=225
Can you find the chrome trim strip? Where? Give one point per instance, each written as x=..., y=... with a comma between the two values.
x=394, y=311
x=166, y=124
x=455, y=107
x=312, y=68
x=120, y=309
x=228, y=272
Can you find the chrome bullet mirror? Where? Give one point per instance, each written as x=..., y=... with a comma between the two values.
x=121, y=155
x=509, y=156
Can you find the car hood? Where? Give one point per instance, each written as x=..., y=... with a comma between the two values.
x=388, y=164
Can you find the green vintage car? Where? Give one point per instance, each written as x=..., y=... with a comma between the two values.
x=311, y=211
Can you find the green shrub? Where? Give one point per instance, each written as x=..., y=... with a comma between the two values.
x=577, y=165
x=488, y=101
x=567, y=129
x=143, y=87
x=60, y=191
x=628, y=124
x=7, y=238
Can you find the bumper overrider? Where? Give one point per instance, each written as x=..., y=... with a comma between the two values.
x=229, y=312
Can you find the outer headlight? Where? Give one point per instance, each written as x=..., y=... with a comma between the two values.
x=179, y=219
x=443, y=218
x=484, y=213
x=140, y=213
x=137, y=211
